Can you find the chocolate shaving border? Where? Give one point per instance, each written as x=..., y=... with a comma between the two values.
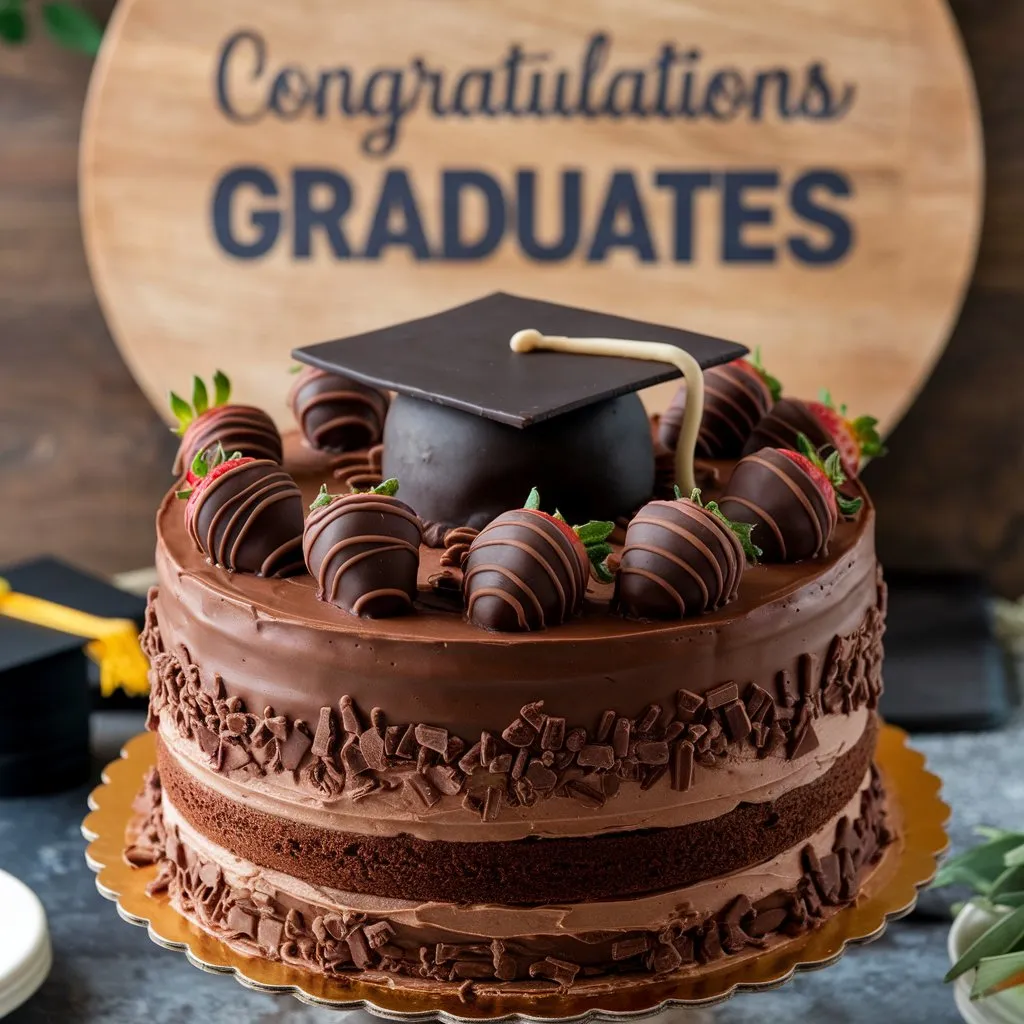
x=536, y=756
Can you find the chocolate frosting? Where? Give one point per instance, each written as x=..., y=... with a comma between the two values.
x=337, y=413
x=239, y=428
x=249, y=519
x=791, y=518
x=679, y=559
x=363, y=551
x=442, y=946
x=778, y=428
x=523, y=573
x=458, y=469
x=735, y=399
x=273, y=643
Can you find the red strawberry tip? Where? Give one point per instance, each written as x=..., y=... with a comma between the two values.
x=754, y=366
x=589, y=540
x=827, y=473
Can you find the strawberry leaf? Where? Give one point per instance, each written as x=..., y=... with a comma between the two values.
x=200, y=398
x=532, y=500
x=833, y=469
x=848, y=506
x=183, y=494
x=201, y=463
x=865, y=432
x=324, y=497
x=773, y=383
x=594, y=532
x=182, y=412
x=678, y=493
x=389, y=488
x=742, y=531
x=1000, y=938
x=221, y=388
x=808, y=451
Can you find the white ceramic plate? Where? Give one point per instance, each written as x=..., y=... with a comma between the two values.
x=25, y=955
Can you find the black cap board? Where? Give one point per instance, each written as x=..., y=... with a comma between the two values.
x=460, y=358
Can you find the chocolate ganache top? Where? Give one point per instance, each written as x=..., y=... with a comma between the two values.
x=274, y=644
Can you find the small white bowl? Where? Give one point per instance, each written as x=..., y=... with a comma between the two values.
x=1004, y=1008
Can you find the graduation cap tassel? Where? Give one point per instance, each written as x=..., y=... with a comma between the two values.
x=113, y=643
x=650, y=351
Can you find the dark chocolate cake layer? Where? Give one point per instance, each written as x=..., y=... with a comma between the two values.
x=528, y=871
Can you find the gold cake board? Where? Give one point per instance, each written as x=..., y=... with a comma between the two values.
x=916, y=811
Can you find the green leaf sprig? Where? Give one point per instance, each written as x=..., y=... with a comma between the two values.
x=832, y=467
x=773, y=383
x=185, y=412
x=994, y=870
x=864, y=428
x=743, y=531
x=389, y=488
x=204, y=462
x=594, y=536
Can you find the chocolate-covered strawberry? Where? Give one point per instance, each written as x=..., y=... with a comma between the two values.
x=238, y=428
x=824, y=425
x=336, y=413
x=527, y=569
x=363, y=550
x=681, y=558
x=791, y=499
x=245, y=514
x=736, y=397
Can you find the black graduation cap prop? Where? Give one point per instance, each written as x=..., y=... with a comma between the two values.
x=45, y=671
x=476, y=424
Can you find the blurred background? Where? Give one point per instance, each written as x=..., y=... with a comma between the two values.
x=84, y=457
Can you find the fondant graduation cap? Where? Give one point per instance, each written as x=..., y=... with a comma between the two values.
x=476, y=425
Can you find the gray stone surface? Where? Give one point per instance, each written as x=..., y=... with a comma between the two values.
x=107, y=972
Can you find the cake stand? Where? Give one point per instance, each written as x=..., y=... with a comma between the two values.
x=916, y=811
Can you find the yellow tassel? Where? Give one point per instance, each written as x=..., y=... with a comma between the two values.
x=114, y=643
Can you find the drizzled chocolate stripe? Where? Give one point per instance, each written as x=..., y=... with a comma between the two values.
x=364, y=551
x=249, y=519
x=779, y=427
x=337, y=413
x=522, y=573
x=239, y=428
x=360, y=471
x=734, y=402
x=791, y=517
x=679, y=559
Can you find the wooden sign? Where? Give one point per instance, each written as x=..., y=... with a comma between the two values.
x=801, y=176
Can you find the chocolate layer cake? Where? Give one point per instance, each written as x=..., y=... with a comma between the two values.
x=671, y=767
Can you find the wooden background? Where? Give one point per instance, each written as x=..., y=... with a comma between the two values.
x=83, y=458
